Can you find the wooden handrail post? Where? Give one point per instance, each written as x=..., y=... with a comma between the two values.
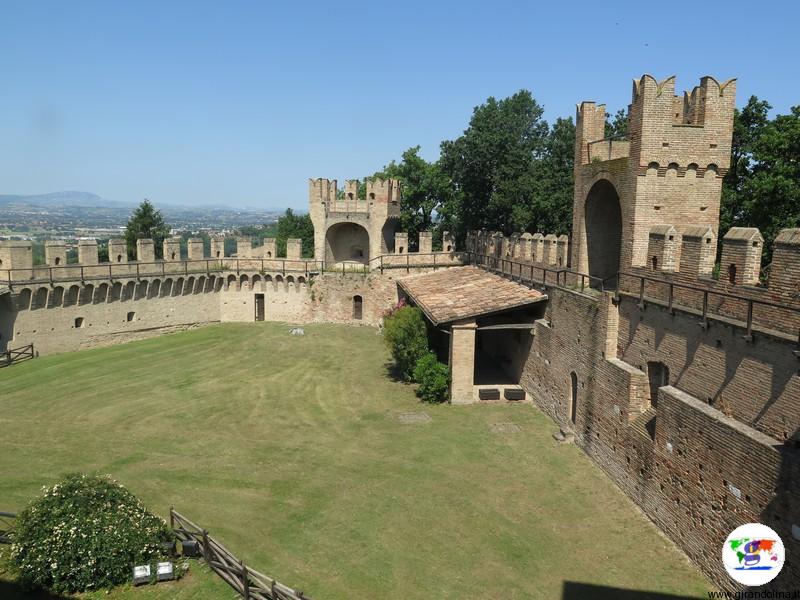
x=749, y=335
x=671, y=298
x=641, y=292
x=704, y=323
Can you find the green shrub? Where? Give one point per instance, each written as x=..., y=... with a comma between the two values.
x=407, y=338
x=433, y=378
x=85, y=533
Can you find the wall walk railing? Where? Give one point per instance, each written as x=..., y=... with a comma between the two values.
x=531, y=274
x=709, y=303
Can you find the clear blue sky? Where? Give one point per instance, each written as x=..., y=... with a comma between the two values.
x=239, y=103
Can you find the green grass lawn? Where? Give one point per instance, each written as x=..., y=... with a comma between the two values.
x=289, y=450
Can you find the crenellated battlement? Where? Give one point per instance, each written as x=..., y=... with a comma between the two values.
x=352, y=230
x=669, y=169
x=694, y=128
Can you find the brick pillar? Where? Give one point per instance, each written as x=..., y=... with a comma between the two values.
x=425, y=242
x=244, y=247
x=145, y=251
x=549, y=252
x=270, y=248
x=195, y=249
x=55, y=253
x=172, y=249
x=87, y=252
x=784, y=277
x=217, y=247
x=537, y=248
x=400, y=242
x=462, y=361
x=117, y=251
x=562, y=251
x=294, y=248
x=448, y=242
x=741, y=256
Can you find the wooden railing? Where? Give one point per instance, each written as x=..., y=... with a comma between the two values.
x=159, y=268
x=248, y=582
x=529, y=273
x=17, y=355
x=6, y=526
x=709, y=302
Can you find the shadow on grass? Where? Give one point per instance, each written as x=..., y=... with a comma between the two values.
x=582, y=591
x=393, y=372
x=11, y=591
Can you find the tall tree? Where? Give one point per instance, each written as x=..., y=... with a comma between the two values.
x=772, y=193
x=491, y=164
x=748, y=125
x=291, y=225
x=550, y=207
x=617, y=126
x=425, y=189
x=146, y=222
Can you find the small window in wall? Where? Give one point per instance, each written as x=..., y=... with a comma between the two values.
x=78, y=322
x=400, y=250
x=131, y=316
x=173, y=256
x=358, y=304
x=119, y=258
x=269, y=254
x=449, y=248
x=58, y=260
x=217, y=253
x=732, y=274
x=654, y=263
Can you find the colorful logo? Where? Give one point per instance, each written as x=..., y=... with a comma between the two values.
x=753, y=554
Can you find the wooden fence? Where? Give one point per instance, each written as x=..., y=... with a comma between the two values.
x=7, y=520
x=17, y=355
x=246, y=581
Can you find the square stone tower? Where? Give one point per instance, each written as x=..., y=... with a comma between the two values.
x=349, y=230
x=668, y=171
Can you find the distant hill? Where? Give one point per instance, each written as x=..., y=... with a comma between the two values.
x=56, y=199
x=71, y=199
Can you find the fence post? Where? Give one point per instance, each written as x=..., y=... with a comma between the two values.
x=245, y=581
x=171, y=518
x=206, y=549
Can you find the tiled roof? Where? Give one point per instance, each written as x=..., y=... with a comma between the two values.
x=464, y=292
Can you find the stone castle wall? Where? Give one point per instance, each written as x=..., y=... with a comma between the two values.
x=62, y=307
x=698, y=472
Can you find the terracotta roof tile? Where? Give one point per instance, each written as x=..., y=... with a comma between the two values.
x=464, y=292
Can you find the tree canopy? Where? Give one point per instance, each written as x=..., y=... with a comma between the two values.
x=762, y=187
x=511, y=171
x=146, y=222
x=426, y=189
x=288, y=225
x=491, y=164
